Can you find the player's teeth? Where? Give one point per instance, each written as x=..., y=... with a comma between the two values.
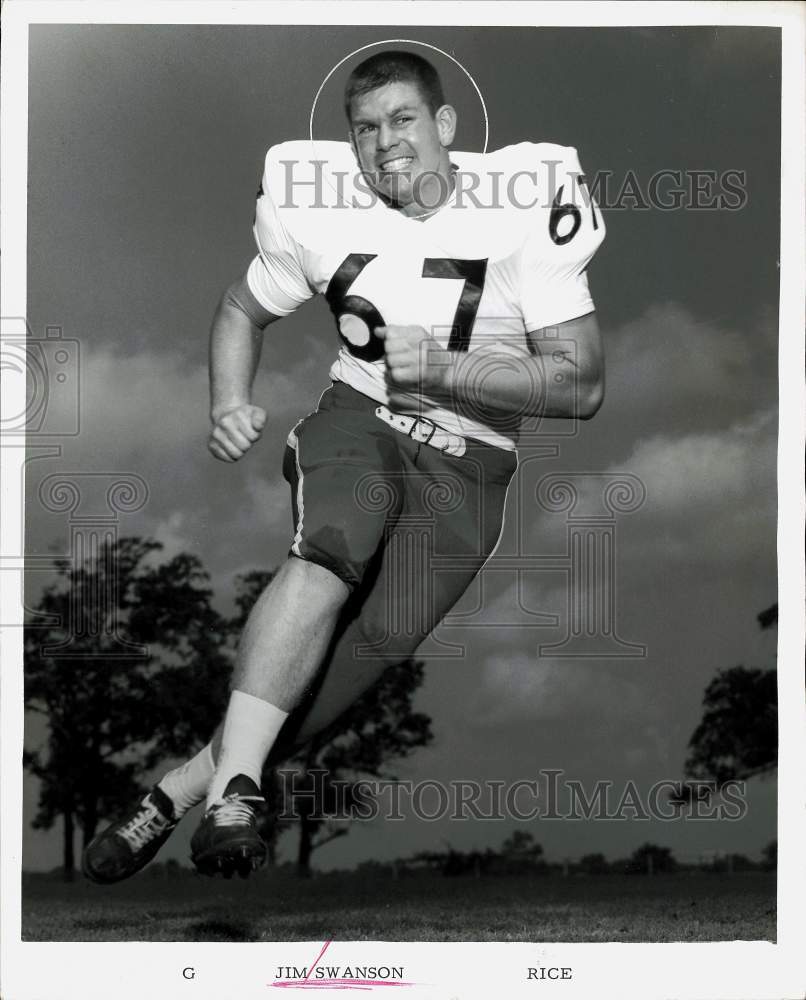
x=398, y=164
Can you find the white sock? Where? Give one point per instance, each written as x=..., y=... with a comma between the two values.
x=187, y=784
x=250, y=728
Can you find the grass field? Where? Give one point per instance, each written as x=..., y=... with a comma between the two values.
x=275, y=906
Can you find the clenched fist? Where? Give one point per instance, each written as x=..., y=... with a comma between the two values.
x=414, y=360
x=235, y=431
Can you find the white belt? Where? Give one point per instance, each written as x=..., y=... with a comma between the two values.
x=424, y=431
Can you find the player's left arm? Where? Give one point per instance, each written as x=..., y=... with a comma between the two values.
x=559, y=371
x=562, y=377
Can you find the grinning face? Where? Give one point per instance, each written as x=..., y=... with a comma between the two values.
x=403, y=147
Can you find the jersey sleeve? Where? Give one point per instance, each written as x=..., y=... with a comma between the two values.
x=566, y=232
x=276, y=276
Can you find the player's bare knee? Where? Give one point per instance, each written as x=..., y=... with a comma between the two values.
x=321, y=584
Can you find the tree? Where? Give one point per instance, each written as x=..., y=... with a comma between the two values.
x=520, y=852
x=451, y=862
x=594, y=864
x=379, y=728
x=770, y=856
x=738, y=735
x=651, y=858
x=732, y=862
x=768, y=617
x=521, y=844
x=133, y=669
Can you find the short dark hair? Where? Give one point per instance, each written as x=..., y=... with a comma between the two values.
x=394, y=67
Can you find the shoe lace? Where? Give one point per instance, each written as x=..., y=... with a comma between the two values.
x=144, y=826
x=235, y=810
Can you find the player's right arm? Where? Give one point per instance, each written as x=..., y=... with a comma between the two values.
x=236, y=338
x=274, y=285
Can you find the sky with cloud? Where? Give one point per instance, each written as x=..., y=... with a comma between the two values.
x=146, y=145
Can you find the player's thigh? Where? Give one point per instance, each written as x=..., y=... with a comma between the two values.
x=466, y=503
x=333, y=463
x=451, y=522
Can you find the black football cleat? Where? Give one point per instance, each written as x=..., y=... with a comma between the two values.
x=227, y=840
x=125, y=847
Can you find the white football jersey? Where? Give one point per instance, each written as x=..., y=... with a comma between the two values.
x=505, y=254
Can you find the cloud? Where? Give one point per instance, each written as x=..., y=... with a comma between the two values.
x=522, y=688
x=156, y=402
x=711, y=501
x=669, y=371
x=147, y=415
x=173, y=535
x=706, y=471
x=710, y=498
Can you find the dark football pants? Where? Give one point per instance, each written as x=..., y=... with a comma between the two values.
x=405, y=526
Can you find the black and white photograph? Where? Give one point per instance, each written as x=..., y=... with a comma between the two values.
x=402, y=439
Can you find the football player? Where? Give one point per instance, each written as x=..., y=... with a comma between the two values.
x=458, y=289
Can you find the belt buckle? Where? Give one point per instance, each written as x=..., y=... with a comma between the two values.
x=424, y=420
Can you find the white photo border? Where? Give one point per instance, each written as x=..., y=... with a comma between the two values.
x=132, y=970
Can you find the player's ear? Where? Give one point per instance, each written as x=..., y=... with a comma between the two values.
x=446, y=124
